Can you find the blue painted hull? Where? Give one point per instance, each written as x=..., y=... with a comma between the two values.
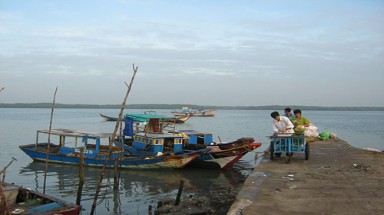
x=134, y=162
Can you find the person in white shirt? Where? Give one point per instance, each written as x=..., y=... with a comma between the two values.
x=281, y=124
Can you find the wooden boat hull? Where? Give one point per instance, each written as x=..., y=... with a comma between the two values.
x=226, y=154
x=25, y=201
x=131, y=162
x=179, y=119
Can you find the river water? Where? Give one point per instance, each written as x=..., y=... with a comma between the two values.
x=139, y=189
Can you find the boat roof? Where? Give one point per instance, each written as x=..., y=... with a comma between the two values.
x=146, y=117
x=159, y=135
x=74, y=133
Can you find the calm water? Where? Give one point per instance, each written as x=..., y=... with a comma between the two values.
x=139, y=189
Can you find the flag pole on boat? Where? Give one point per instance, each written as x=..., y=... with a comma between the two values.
x=113, y=139
x=49, y=141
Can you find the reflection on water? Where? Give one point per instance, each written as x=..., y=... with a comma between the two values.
x=138, y=189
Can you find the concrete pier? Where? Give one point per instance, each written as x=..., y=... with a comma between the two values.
x=337, y=179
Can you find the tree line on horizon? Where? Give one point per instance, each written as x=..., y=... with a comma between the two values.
x=178, y=106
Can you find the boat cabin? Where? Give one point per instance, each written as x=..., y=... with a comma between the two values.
x=196, y=137
x=70, y=142
x=148, y=135
x=157, y=142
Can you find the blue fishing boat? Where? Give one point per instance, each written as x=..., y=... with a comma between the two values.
x=152, y=139
x=97, y=151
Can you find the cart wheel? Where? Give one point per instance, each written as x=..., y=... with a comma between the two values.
x=271, y=151
x=307, y=151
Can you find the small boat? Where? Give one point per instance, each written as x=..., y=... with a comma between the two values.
x=21, y=200
x=108, y=118
x=96, y=150
x=178, y=120
x=189, y=111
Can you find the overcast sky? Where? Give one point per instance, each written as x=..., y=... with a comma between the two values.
x=217, y=52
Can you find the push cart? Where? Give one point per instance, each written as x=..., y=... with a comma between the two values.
x=289, y=144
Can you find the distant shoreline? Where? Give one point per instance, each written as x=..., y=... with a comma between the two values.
x=178, y=106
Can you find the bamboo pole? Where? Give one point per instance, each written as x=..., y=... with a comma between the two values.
x=49, y=141
x=112, y=139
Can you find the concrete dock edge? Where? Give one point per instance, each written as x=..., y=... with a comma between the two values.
x=337, y=179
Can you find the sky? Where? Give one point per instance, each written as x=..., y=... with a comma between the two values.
x=201, y=52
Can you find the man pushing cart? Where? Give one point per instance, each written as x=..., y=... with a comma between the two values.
x=285, y=140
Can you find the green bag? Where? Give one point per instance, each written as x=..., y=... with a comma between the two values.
x=324, y=135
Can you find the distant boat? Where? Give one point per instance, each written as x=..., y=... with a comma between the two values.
x=178, y=120
x=21, y=200
x=108, y=118
x=95, y=152
x=189, y=111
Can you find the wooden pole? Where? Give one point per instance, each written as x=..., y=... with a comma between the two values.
x=81, y=177
x=219, y=139
x=116, y=175
x=113, y=139
x=116, y=178
x=180, y=191
x=49, y=141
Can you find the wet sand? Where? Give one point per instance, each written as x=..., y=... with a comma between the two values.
x=337, y=179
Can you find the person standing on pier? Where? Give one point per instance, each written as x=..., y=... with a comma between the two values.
x=288, y=113
x=299, y=120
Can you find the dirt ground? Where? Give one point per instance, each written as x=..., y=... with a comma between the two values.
x=337, y=179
